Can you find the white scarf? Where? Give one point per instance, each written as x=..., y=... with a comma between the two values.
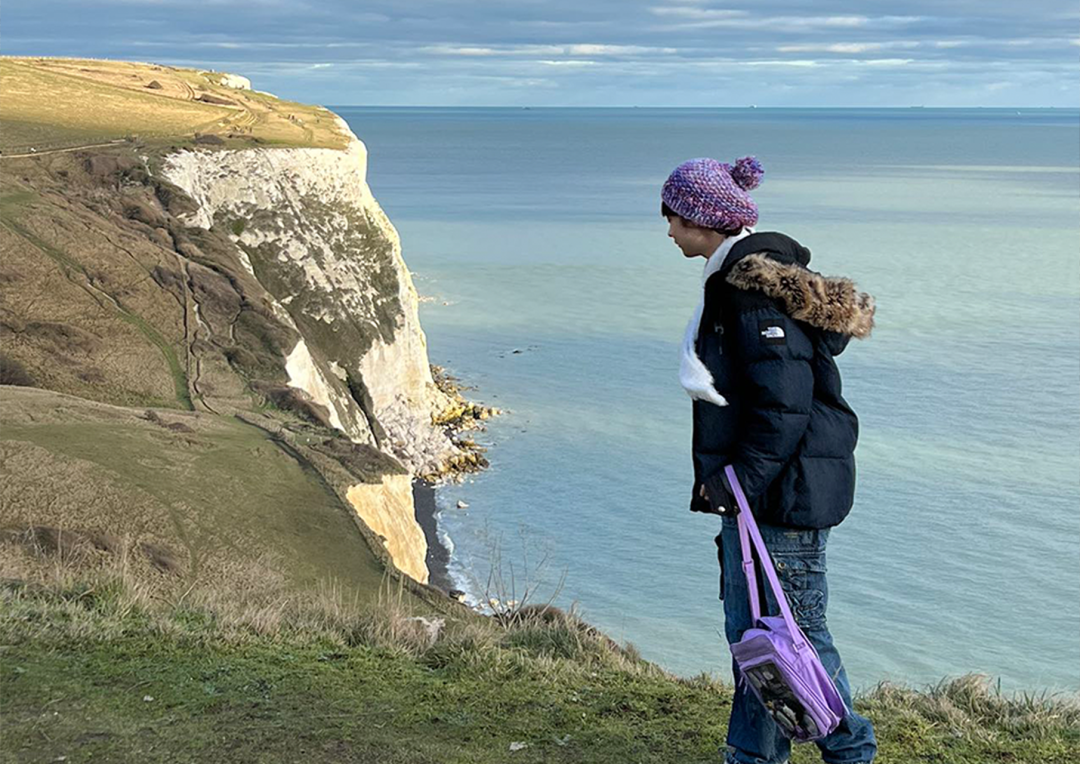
x=695, y=377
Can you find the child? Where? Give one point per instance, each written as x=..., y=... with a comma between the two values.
x=757, y=360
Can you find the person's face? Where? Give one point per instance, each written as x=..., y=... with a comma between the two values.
x=692, y=239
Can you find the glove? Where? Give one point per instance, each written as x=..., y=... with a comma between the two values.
x=717, y=490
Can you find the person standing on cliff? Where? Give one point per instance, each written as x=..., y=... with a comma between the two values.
x=757, y=360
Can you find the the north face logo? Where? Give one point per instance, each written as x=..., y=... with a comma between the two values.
x=772, y=332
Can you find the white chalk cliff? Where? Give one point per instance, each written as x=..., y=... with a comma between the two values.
x=310, y=231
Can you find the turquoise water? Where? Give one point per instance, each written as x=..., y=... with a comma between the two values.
x=539, y=231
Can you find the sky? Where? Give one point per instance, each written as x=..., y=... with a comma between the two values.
x=595, y=53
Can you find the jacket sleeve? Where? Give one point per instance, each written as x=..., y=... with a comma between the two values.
x=772, y=356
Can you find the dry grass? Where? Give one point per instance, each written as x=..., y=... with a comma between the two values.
x=54, y=103
x=974, y=708
x=47, y=107
x=112, y=599
x=97, y=588
x=325, y=677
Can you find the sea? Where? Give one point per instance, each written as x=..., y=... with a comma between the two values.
x=548, y=285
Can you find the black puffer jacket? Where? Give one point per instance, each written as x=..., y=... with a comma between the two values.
x=768, y=335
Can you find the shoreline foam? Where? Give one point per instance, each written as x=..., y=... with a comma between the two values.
x=445, y=572
x=438, y=553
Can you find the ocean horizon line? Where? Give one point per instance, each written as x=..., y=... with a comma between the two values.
x=704, y=108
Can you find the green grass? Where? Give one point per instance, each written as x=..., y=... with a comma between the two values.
x=92, y=673
x=242, y=514
x=76, y=273
x=176, y=370
x=14, y=200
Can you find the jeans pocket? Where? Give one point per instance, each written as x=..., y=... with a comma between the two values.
x=803, y=581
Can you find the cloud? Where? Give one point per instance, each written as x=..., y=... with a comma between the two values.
x=885, y=61
x=577, y=49
x=702, y=14
x=615, y=50
x=703, y=18
x=847, y=47
x=248, y=45
x=568, y=63
x=603, y=52
x=801, y=63
x=696, y=17
x=462, y=50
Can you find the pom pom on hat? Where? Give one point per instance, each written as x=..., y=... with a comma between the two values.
x=714, y=194
x=747, y=173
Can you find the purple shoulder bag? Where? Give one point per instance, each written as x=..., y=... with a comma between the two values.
x=775, y=658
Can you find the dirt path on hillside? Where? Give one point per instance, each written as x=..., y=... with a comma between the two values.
x=113, y=142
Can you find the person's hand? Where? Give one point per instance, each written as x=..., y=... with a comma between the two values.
x=704, y=495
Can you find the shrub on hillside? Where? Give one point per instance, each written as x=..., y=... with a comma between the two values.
x=297, y=401
x=14, y=373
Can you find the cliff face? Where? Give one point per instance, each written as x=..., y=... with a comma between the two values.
x=387, y=509
x=211, y=274
x=309, y=230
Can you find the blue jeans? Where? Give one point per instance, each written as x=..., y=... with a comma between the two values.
x=799, y=556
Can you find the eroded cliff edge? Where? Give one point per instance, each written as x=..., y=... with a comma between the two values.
x=228, y=273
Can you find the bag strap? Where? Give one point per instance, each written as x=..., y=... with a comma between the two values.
x=749, y=569
x=748, y=532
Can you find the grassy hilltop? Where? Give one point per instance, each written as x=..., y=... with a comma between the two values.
x=181, y=576
x=59, y=103
x=93, y=242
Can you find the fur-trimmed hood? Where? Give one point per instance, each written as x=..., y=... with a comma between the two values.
x=830, y=303
x=778, y=266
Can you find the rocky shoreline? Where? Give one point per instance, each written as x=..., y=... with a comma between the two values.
x=459, y=417
x=462, y=416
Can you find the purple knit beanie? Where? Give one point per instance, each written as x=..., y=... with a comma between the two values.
x=714, y=194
